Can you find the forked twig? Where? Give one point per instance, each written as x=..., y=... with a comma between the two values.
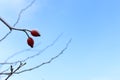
x=17, y=21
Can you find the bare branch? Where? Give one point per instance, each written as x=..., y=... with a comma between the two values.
x=22, y=10
x=3, y=21
x=19, y=16
x=5, y=36
x=43, y=49
x=37, y=54
x=11, y=28
x=15, y=66
x=30, y=57
x=49, y=61
x=12, y=72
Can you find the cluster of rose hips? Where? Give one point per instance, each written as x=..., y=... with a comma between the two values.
x=30, y=40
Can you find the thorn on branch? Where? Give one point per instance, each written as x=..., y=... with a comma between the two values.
x=11, y=69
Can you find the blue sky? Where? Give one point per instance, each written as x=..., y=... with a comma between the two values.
x=93, y=26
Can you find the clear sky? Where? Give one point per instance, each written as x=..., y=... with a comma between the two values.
x=93, y=25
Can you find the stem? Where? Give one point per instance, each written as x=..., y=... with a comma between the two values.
x=24, y=30
x=27, y=34
x=12, y=28
x=6, y=23
x=20, y=29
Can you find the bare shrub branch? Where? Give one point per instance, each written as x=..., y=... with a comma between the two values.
x=47, y=62
x=4, y=22
x=5, y=36
x=12, y=71
x=14, y=67
x=22, y=10
x=30, y=57
x=17, y=21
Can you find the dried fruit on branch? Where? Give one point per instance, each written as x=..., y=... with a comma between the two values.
x=30, y=42
x=35, y=33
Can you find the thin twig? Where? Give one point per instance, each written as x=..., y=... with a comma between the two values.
x=47, y=62
x=5, y=36
x=12, y=28
x=3, y=21
x=22, y=10
x=12, y=72
x=37, y=54
x=19, y=16
x=30, y=57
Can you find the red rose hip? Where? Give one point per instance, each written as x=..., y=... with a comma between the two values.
x=30, y=42
x=35, y=33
